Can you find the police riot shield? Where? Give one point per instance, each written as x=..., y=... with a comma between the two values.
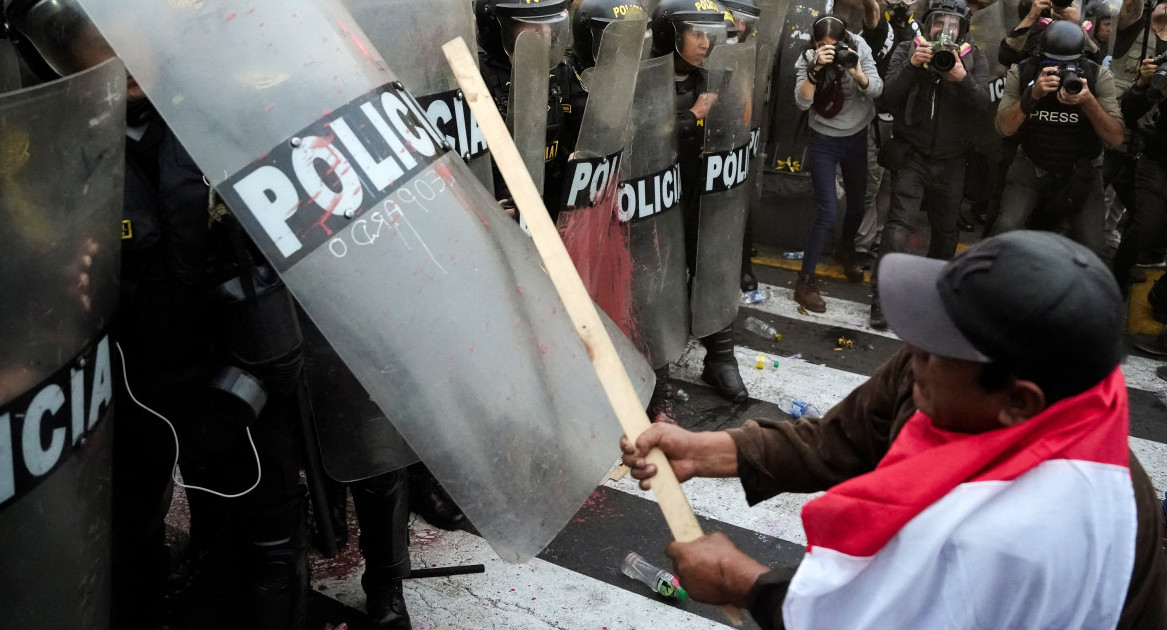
x=527, y=103
x=650, y=201
x=724, y=197
x=987, y=27
x=61, y=171
x=589, y=221
x=398, y=255
x=786, y=141
x=411, y=34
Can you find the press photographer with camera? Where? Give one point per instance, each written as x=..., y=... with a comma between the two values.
x=1035, y=16
x=837, y=81
x=937, y=87
x=1064, y=110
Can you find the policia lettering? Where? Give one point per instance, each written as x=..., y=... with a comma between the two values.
x=450, y=114
x=651, y=195
x=342, y=165
x=42, y=428
x=728, y=169
x=591, y=179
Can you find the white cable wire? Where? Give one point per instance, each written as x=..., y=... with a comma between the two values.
x=174, y=467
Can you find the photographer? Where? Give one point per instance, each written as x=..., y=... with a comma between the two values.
x=1065, y=114
x=934, y=88
x=1148, y=221
x=1035, y=16
x=837, y=80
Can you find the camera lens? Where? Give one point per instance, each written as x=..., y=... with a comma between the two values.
x=943, y=61
x=1072, y=84
x=1159, y=79
x=845, y=57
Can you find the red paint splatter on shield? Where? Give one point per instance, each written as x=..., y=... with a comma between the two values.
x=597, y=242
x=231, y=16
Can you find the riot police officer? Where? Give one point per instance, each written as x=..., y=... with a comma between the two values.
x=690, y=31
x=202, y=319
x=1064, y=110
x=499, y=24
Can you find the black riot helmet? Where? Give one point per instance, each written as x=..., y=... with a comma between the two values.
x=590, y=18
x=60, y=32
x=675, y=20
x=1063, y=40
x=745, y=14
x=500, y=22
x=946, y=17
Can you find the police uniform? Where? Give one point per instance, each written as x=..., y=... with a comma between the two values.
x=1056, y=175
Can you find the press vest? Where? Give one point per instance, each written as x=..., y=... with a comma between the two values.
x=1055, y=136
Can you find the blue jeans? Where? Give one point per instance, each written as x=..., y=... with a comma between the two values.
x=824, y=153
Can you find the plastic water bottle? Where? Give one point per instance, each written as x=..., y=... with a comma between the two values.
x=761, y=328
x=799, y=408
x=753, y=297
x=659, y=580
x=793, y=255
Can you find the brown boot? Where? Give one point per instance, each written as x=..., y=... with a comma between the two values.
x=806, y=293
x=845, y=254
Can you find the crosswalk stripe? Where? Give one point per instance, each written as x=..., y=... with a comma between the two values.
x=535, y=594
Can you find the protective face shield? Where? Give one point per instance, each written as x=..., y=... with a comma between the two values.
x=695, y=40
x=62, y=34
x=946, y=26
x=746, y=25
x=555, y=26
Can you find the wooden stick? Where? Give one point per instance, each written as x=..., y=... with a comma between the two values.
x=580, y=308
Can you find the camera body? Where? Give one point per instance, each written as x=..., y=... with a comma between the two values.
x=1071, y=80
x=945, y=53
x=1062, y=4
x=1159, y=79
x=845, y=57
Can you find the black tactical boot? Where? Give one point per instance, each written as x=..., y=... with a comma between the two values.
x=430, y=500
x=382, y=505
x=279, y=585
x=660, y=406
x=721, y=367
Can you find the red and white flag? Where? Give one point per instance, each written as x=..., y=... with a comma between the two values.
x=1030, y=526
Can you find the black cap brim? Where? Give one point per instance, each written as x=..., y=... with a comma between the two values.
x=911, y=302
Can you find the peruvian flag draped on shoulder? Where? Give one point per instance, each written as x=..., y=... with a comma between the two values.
x=1030, y=526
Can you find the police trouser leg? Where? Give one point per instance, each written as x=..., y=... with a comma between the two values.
x=382, y=505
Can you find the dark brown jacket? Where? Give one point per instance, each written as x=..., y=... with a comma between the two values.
x=813, y=454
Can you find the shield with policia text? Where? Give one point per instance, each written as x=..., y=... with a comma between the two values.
x=430, y=294
x=589, y=220
x=723, y=193
x=650, y=201
x=411, y=34
x=62, y=168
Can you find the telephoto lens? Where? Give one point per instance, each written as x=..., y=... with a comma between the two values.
x=845, y=57
x=1159, y=79
x=1071, y=82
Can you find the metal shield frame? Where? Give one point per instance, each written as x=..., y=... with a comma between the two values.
x=62, y=168
x=722, y=222
x=433, y=297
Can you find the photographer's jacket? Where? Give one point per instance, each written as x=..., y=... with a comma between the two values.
x=1056, y=136
x=858, y=103
x=937, y=117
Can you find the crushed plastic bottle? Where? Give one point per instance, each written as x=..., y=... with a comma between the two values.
x=799, y=408
x=761, y=328
x=760, y=362
x=659, y=580
x=793, y=255
x=757, y=296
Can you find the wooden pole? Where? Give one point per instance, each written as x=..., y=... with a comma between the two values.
x=580, y=308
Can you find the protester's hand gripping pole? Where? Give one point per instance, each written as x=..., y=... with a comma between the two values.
x=580, y=308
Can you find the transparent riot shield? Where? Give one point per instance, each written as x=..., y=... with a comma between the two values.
x=589, y=222
x=61, y=172
x=987, y=28
x=724, y=197
x=650, y=201
x=429, y=293
x=410, y=34
x=527, y=110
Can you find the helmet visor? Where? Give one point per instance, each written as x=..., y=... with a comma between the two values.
x=695, y=40
x=747, y=25
x=556, y=26
x=946, y=26
x=63, y=35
